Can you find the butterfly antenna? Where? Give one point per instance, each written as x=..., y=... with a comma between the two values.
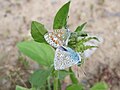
x=84, y=72
x=67, y=29
x=77, y=71
x=83, y=61
x=67, y=34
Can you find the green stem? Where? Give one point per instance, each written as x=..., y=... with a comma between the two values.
x=56, y=81
x=59, y=84
x=49, y=85
x=73, y=77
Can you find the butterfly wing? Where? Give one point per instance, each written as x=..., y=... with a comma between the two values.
x=57, y=38
x=53, y=39
x=65, y=57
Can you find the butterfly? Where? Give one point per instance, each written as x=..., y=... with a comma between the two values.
x=65, y=57
x=57, y=38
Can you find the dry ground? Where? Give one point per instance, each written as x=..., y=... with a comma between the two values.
x=103, y=17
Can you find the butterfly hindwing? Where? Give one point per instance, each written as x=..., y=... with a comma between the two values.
x=65, y=57
x=57, y=38
x=53, y=39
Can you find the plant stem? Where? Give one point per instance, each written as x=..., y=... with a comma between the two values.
x=56, y=81
x=49, y=85
x=59, y=84
x=73, y=77
x=56, y=84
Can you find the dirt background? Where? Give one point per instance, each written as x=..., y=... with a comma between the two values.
x=102, y=16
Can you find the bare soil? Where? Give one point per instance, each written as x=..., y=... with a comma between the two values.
x=102, y=17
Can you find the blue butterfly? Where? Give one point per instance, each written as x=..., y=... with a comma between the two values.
x=65, y=57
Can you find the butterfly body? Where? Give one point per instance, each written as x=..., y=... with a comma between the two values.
x=65, y=57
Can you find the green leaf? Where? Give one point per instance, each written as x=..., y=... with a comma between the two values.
x=40, y=52
x=100, y=86
x=75, y=87
x=83, y=40
x=63, y=74
x=82, y=48
x=20, y=88
x=82, y=34
x=37, y=31
x=61, y=16
x=80, y=28
x=39, y=77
